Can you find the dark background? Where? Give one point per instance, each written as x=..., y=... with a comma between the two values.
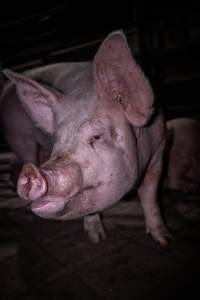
x=164, y=38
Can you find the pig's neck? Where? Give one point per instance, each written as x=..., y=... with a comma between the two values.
x=148, y=140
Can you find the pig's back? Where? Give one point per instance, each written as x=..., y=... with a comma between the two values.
x=65, y=77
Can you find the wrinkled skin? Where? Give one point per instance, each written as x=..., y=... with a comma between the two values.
x=97, y=120
x=183, y=156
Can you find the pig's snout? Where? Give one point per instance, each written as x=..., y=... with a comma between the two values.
x=31, y=183
x=54, y=180
x=64, y=177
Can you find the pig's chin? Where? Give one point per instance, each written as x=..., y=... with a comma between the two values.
x=73, y=207
x=47, y=208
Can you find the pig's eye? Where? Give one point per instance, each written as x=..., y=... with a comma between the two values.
x=95, y=138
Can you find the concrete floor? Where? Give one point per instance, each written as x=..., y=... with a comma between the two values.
x=44, y=259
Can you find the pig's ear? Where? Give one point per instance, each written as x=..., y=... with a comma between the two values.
x=38, y=101
x=120, y=79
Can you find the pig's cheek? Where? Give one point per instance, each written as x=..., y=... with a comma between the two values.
x=97, y=167
x=114, y=169
x=89, y=164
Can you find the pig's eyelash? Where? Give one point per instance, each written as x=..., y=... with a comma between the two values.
x=94, y=138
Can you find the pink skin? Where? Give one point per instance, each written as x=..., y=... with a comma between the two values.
x=96, y=119
x=183, y=156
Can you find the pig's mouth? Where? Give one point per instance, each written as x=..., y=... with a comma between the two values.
x=39, y=204
x=73, y=207
x=48, y=208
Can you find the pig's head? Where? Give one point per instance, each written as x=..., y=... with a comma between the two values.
x=94, y=160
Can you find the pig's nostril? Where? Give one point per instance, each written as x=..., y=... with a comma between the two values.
x=37, y=182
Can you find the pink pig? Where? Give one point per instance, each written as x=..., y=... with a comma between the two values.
x=104, y=136
x=183, y=157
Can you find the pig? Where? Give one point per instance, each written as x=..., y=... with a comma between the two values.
x=183, y=156
x=103, y=132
